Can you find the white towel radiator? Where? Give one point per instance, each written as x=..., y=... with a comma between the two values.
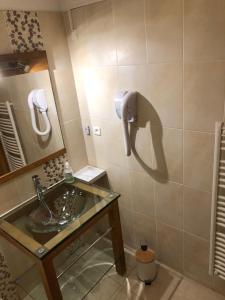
x=10, y=138
x=217, y=234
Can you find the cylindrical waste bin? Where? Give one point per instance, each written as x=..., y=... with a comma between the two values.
x=146, y=266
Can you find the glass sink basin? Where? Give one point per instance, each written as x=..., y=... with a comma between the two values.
x=70, y=206
x=64, y=204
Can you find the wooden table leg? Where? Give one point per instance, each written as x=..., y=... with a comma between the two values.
x=49, y=279
x=117, y=239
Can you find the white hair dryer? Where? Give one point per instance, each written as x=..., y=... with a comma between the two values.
x=126, y=109
x=36, y=98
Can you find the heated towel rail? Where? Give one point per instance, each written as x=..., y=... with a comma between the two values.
x=217, y=234
x=10, y=138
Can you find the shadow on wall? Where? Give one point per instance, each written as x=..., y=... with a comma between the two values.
x=149, y=114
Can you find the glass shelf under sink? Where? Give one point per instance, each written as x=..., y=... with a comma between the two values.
x=86, y=262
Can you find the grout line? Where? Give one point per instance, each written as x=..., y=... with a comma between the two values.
x=114, y=32
x=183, y=134
x=164, y=127
x=175, y=290
x=146, y=33
x=87, y=4
x=196, y=189
x=202, y=61
x=169, y=225
x=197, y=61
x=156, y=223
x=182, y=231
x=199, y=131
x=196, y=236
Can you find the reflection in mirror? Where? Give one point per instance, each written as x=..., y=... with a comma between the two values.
x=29, y=125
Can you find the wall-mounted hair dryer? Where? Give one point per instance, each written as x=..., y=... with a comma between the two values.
x=36, y=98
x=126, y=109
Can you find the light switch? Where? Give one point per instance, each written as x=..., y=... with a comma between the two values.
x=97, y=130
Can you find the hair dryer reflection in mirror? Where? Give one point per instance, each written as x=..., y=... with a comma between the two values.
x=37, y=99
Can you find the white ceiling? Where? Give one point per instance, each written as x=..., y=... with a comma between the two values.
x=49, y=5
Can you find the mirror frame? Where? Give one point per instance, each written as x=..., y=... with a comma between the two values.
x=37, y=60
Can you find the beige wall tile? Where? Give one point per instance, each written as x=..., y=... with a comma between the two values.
x=145, y=231
x=141, y=158
x=95, y=151
x=197, y=211
x=78, y=40
x=130, y=31
x=133, y=78
x=169, y=246
x=169, y=203
x=142, y=188
x=79, y=77
x=5, y=41
x=115, y=151
x=101, y=40
x=218, y=285
x=204, y=27
x=100, y=86
x=74, y=142
x=119, y=181
x=55, y=42
x=164, y=30
x=196, y=259
x=66, y=93
x=127, y=223
x=25, y=184
x=96, y=147
x=165, y=93
x=204, y=95
x=167, y=145
x=9, y=196
x=91, y=150
x=110, y=143
x=198, y=160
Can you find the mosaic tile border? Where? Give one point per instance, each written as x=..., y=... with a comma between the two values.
x=54, y=170
x=8, y=289
x=24, y=31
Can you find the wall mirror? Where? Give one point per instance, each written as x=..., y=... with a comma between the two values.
x=30, y=132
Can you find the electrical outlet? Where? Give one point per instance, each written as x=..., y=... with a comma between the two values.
x=97, y=130
x=87, y=130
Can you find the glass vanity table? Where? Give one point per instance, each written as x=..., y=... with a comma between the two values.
x=86, y=206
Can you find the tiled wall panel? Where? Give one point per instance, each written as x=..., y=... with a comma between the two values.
x=172, y=54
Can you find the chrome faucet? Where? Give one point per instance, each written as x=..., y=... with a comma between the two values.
x=40, y=190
